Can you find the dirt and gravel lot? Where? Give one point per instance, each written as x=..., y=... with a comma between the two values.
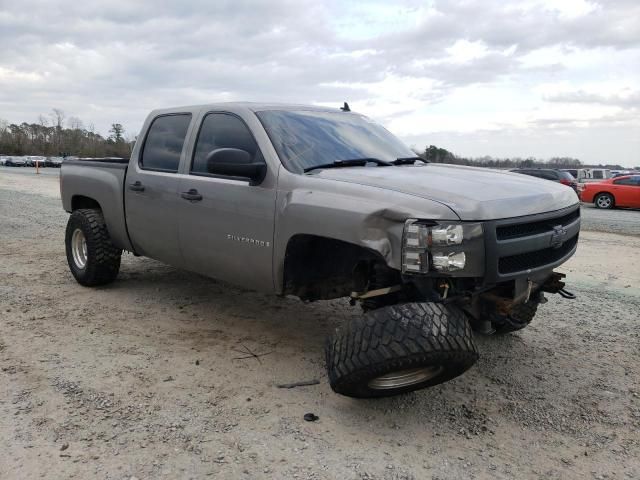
x=153, y=377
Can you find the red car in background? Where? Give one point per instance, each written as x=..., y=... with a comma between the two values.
x=614, y=192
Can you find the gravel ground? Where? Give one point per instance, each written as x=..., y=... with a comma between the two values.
x=624, y=221
x=148, y=377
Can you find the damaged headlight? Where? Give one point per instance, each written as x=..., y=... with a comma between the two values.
x=446, y=247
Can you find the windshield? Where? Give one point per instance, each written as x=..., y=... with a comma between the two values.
x=306, y=139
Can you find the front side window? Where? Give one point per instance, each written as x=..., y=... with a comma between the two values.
x=163, y=146
x=598, y=174
x=305, y=139
x=221, y=130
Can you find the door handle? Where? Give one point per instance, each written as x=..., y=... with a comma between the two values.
x=192, y=195
x=136, y=186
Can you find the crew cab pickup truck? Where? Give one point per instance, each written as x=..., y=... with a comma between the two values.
x=324, y=203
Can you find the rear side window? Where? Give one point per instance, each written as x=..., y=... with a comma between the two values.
x=598, y=174
x=628, y=181
x=536, y=174
x=163, y=146
x=221, y=130
x=541, y=174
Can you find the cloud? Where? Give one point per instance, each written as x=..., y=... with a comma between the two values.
x=422, y=69
x=627, y=100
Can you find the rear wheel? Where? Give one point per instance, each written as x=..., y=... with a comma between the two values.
x=604, y=200
x=400, y=348
x=93, y=259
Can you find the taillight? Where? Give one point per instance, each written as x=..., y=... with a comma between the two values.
x=564, y=181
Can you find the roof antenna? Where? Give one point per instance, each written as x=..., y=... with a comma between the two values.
x=345, y=107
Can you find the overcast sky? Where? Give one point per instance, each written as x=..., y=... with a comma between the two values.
x=503, y=78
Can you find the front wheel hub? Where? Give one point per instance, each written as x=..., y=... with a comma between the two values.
x=405, y=378
x=79, y=248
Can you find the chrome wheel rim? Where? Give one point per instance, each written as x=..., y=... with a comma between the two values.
x=604, y=202
x=405, y=378
x=79, y=248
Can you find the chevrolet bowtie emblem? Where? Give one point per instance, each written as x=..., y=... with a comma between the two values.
x=558, y=236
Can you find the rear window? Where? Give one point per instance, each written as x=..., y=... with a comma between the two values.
x=567, y=176
x=163, y=145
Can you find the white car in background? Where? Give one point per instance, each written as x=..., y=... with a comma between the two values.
x=586, y=175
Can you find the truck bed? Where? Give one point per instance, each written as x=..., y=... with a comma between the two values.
x=102, y=180
x=100, y=160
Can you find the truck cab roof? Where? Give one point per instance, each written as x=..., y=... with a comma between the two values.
x=246, y=106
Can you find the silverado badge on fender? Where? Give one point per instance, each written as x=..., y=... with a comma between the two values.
x=252, y=241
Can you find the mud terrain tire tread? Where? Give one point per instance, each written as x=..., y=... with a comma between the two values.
x=103, y=258
x=395, y=338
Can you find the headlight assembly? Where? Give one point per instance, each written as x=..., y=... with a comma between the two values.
x=447, y=247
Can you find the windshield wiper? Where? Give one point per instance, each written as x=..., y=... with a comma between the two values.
x=353, y=162
x=408, y=160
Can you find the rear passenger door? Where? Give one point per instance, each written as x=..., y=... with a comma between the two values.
x=151, y=189
x=627, y=192
x=226, y=224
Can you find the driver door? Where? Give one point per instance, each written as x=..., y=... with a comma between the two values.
x=226, y=224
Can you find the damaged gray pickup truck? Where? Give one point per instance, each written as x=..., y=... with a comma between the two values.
x=324, y=203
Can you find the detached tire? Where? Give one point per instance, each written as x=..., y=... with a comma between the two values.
x=93, y=259
x=398, y=349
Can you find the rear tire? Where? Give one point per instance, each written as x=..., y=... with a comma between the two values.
x=399, y=349
x=93, y=259
x=604, y=201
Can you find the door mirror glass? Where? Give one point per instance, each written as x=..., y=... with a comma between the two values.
x=234, y=162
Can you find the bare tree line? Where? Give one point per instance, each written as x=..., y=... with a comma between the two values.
x=57, y=135
x=440, y=155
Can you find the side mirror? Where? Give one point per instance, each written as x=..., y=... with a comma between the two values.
x=234, y=162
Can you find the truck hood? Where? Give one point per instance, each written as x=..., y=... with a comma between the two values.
x=472, y=193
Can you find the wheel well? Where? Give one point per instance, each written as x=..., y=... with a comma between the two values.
x=80, y=201
x=321, y=268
